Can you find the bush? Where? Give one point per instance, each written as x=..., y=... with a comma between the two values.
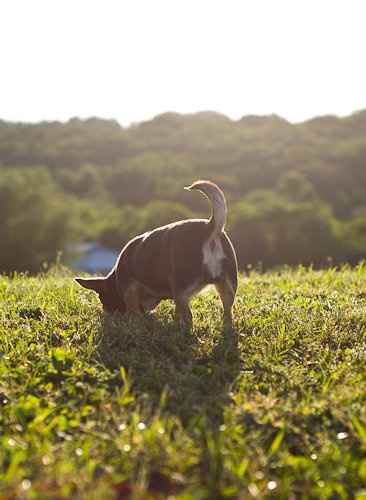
x=272, y=230
x=34, y=224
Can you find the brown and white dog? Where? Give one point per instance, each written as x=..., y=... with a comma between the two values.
x=173, y=262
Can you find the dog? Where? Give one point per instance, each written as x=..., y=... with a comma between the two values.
x=175, y=261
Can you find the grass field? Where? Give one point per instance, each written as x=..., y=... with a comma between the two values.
x=98, y=407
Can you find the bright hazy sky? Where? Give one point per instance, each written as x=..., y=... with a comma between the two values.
x=133, y=59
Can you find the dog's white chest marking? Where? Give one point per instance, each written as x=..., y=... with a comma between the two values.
x=213, y=257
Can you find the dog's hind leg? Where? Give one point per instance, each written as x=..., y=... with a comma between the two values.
x=227, y=294
x=181, y=298
x=182, y=311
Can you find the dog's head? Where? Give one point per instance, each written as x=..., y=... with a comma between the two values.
x=106, y=290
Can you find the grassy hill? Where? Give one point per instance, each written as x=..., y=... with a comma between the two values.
x=104, y=407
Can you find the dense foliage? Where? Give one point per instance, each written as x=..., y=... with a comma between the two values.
x=104, y=407
x=296, y=192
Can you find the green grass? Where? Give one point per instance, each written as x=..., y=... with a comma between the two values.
x=99, y=407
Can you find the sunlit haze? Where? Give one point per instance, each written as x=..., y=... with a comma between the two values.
x=133, y=59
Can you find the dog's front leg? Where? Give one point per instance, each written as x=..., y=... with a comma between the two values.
x=132, y=298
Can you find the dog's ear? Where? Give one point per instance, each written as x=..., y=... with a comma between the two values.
x=96, y=284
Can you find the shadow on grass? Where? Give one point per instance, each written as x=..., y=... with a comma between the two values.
x=192, y=372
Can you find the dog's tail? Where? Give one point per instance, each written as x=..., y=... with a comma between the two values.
x=218, y=203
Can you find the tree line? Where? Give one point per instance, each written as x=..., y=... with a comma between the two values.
x=296, y=193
